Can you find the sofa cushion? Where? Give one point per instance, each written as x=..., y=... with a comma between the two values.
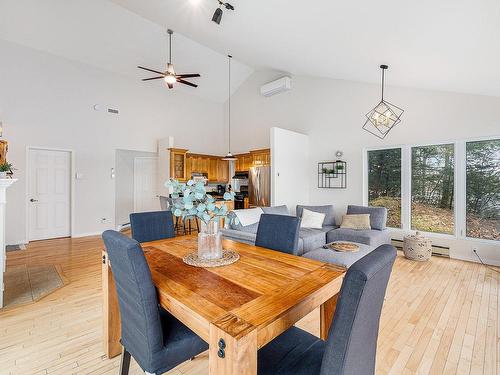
x=311, y=239
x=276, y=210
x=239, y=236
x=343, y=259
x=327, y=210
x=370, y=237
x=378, y=215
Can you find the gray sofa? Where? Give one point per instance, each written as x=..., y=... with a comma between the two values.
x=311, y=239
x=378, y=235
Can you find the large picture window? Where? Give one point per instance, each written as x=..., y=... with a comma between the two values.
x=384, y=183
x=483, y=189
x=432, y=188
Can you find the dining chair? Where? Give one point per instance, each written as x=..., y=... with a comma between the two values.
x=352, y=339
x=153, y=337
x=165, y=203
x=278, y=232
x=152, y=226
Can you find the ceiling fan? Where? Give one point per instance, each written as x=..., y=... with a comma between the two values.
x=169, y=75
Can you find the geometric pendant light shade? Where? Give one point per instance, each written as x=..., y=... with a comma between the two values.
x=384, y=116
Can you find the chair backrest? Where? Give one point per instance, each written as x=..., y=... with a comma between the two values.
x=152, y=226
x=278, y=232
x=165, y=203
x=139, y=312
x=352, y=340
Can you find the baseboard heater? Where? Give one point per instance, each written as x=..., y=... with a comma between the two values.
x=443, y=251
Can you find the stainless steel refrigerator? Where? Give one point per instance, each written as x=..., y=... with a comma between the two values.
x=259, y=186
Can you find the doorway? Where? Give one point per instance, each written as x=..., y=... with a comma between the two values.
x=49, y=193
x=146, y=184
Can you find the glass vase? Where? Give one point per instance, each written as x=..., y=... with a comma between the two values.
x=210, y=241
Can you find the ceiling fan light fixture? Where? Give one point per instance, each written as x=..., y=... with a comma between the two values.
x=170, y=79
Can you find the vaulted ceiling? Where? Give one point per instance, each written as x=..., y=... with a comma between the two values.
x=110, y=37
x=449, y=45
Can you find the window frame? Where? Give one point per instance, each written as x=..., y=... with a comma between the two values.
x=459, y=188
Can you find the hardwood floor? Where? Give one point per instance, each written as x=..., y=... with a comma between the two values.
x=439, y=317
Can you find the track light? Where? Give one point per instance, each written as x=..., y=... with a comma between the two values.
x=217, y=17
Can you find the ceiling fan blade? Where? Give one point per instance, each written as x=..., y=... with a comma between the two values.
x=186, y=82
x=196, y=75
x=151, y=70
x=170, y=85
x=150, y=79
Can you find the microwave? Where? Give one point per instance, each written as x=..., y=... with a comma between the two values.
x=199, y=177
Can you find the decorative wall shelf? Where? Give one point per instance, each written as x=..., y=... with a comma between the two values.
x=332, y=174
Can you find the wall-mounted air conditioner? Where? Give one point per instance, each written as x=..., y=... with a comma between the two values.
x=275, y=87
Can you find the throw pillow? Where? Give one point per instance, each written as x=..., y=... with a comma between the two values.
x=357, y=222
x=311, y=219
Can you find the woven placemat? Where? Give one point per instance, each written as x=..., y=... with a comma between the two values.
x=228, y=257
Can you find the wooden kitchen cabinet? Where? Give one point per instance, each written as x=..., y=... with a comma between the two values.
x=261, y=158
x=243, y=162
x=178, y=164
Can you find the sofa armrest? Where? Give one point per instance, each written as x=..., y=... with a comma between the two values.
x=239, y=236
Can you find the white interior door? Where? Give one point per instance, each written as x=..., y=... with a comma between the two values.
x=290, y=168
x=146, y=184
x=49, y=194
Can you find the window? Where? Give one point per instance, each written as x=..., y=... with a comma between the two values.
x=483, y=189
x=384, y=183
x=432, y=188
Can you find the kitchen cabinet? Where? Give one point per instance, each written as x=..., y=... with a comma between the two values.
x=178, y=164
x=261, y=158
x=243, y=162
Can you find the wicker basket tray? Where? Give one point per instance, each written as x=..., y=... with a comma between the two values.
x=344, y=247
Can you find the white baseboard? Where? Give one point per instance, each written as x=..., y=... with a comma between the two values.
x=88, y=234
x=490, y=262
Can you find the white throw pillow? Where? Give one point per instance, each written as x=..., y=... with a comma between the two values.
x=311, y=219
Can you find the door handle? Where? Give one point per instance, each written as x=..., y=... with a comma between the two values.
x=33, y=200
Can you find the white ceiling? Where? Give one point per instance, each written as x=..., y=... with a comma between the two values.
x=450, y=45
x=107, y=36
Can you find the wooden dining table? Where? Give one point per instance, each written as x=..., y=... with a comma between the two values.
x=237, y=308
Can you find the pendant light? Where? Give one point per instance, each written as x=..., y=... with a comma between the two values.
x=229, y=156
x=385, y=116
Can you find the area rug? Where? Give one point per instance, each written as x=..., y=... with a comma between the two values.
x=26, y=284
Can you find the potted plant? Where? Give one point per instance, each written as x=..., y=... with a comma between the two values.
x=5, y=168
x=191, y=200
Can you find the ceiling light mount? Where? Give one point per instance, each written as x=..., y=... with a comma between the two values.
x=217, y=17
x=384, y=116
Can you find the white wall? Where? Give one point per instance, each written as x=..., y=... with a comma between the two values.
x=290, y=181
x=331, y=112
x=48, y=101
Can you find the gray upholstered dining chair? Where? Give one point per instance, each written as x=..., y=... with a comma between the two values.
x=152, y=226
x=279, y=232
x=352, y=340
x=156, y=340
x=165, y=203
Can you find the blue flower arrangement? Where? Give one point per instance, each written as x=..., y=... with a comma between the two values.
x=191, y=199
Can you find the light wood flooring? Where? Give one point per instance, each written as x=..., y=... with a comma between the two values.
x=439, y=317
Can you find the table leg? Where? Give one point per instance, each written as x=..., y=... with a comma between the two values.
x=327, y=311
x=232, y=355
x=111, y=311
